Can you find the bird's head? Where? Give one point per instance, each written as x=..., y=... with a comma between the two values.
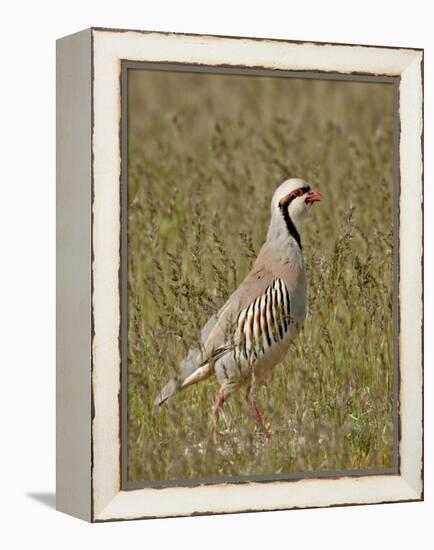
x=290, y=202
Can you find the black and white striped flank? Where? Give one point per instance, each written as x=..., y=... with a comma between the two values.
x=263, y=324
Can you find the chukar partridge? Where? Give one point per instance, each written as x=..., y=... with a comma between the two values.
x=252, y=331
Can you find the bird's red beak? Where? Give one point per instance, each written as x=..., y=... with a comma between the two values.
x=313, y=196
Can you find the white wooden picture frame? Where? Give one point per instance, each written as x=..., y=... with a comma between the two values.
x=89, y=218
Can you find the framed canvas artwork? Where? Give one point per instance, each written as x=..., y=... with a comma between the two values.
x=239, y=274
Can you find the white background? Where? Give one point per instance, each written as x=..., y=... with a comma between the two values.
x=27, y=285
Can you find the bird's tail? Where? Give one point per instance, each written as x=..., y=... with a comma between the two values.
x=175, y=385
x=169, y=389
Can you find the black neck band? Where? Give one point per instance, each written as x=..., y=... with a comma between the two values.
x=292, y=230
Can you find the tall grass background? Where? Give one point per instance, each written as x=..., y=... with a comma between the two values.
x=205, y=154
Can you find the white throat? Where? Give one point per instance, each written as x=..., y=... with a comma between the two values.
x=284, y=231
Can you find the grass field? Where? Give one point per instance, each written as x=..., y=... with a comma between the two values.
x=205, y=155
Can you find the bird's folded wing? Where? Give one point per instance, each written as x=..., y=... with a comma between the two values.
x=220, y=337
x=217, y=334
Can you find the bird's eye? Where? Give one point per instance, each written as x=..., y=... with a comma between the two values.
x=300, y=191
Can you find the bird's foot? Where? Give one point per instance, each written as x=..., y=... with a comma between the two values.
x=264, y=434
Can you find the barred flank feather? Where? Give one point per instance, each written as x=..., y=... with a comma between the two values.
x=264, y=323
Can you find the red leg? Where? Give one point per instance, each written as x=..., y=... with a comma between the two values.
x=218, y=405
x=257, y=414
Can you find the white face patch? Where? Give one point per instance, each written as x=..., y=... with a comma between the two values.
x=297, y=209
x=285, y=189
x=288, y=209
